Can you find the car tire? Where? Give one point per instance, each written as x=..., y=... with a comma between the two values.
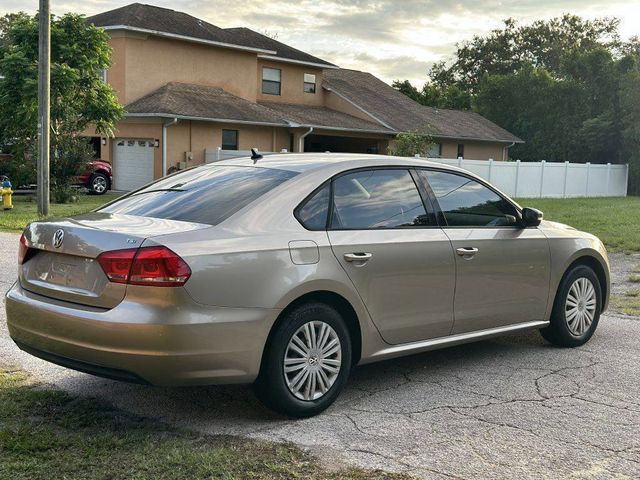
x=576, y=309
x=98, y=184
x=276, y=388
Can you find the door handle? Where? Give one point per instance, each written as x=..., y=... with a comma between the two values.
x=358, y=257
x=466, y=252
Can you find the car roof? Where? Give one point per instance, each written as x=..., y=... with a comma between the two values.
x=304, y=162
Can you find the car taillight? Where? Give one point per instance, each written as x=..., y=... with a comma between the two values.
x=117, y=264
x=158, y=266
x=23, y=250
x=152, y=266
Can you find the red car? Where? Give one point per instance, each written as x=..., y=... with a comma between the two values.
x=97, y=177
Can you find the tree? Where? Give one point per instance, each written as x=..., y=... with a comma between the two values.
x=630, y=118
x=541, y=44
x=567, y=86
x=451, y=97
x=79, y=96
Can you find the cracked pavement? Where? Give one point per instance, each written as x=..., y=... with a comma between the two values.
x=508, y=407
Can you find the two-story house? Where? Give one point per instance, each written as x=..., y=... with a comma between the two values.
x=190, y=87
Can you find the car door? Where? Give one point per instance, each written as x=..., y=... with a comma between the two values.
x=502, y=269
x=386, y=238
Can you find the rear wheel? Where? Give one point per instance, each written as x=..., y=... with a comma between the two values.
x=306, y=363
x=576, y=310
x=98, y=184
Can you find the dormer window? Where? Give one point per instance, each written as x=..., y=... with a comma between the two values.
x=309, y=83
x=271, y=81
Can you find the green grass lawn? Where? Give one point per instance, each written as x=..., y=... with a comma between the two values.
x=25, y=209
x=627, y=302
x=615, y=220
x=48, y=434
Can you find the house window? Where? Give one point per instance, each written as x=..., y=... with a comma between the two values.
x=271, y=80
x=460, y=150
x=229, y=139
x=103, y=74
x=435, y=150
x=309, y=83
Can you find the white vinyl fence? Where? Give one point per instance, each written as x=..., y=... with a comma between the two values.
x=548, y=179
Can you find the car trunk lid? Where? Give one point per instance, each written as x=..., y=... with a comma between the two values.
x=63, y=262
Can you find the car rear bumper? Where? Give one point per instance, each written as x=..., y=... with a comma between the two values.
x=166, y=342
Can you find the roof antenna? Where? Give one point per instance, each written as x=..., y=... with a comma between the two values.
x=255, y=155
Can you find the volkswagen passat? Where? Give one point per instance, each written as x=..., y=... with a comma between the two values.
x=287, y=271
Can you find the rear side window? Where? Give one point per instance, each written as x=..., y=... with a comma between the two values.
x=369, y=199
x=467, y=203
x=313, y=212
x=208, y=194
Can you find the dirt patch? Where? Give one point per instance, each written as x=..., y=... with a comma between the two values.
x=625, y=283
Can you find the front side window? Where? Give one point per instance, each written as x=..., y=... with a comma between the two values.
x=467, y=203
x=313, y=212
x=271, y=80
x=229, y=139
x=207, y=194
x=309, y=83
x=378, y=198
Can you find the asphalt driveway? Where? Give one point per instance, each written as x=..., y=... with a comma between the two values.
x=510, y=407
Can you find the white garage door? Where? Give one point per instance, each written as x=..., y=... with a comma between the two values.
x=133, y=163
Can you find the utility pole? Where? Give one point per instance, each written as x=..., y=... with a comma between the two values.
x=44, y=80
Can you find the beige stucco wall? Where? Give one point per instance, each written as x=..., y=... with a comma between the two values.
x=117, y=70
x=196, y=137
x=472, y=150
x=150, y=62
x=292, y=83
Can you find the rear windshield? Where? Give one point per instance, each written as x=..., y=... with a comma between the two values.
x=207, y=194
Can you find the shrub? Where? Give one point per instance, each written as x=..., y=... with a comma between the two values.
x=410, y=144
x=21, y=170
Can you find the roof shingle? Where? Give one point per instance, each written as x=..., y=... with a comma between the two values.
x=308, y=116
x=214, y=103
x=399, y=112
x=158, y=19
x=200, y=101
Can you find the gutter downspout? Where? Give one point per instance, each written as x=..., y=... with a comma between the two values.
x=505, y=151
x=301, y=140
x=164, y=144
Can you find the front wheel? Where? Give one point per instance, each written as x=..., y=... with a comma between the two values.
x=306, y=362
x=98, y=184
x=576, y=310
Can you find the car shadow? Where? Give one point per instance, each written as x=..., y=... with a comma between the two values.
x=233, y=409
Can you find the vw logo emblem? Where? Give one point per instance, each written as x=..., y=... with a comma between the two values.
x=58, y=237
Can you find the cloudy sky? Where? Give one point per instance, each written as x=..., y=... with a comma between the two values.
x=392, y=39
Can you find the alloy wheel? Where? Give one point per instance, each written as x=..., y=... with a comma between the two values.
x=99, y=184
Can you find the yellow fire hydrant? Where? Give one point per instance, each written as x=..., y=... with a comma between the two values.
x=6, y=193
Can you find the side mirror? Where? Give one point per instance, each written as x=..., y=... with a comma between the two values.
x=531, y=217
